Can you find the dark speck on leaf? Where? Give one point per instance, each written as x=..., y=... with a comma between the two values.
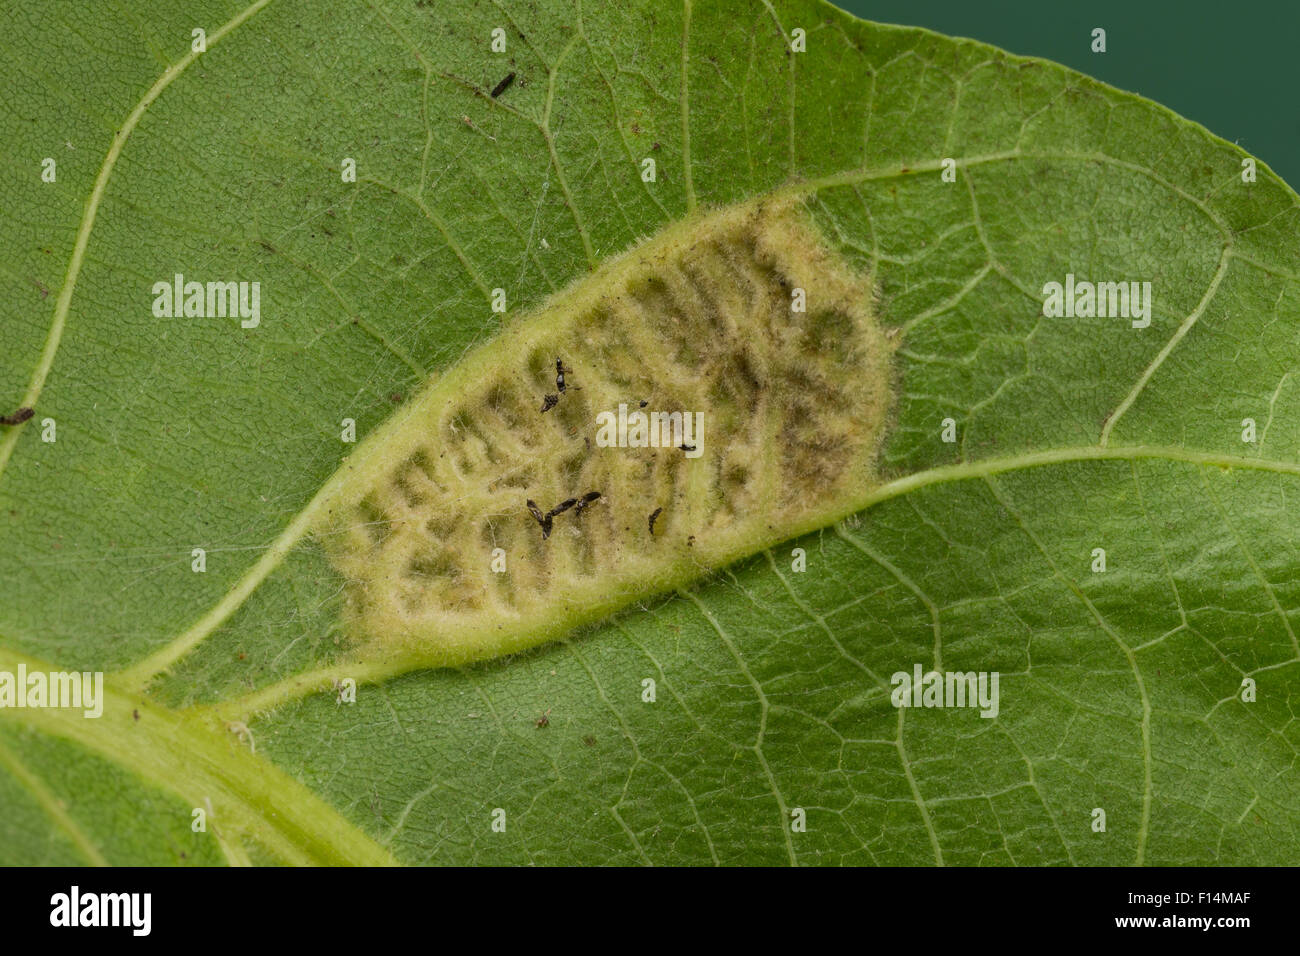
x=549, y=402
x=18, y=417
x=503, y=85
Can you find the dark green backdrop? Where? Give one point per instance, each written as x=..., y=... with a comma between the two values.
x=1232, y=67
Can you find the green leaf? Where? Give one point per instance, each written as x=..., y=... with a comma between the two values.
x=1119, y=690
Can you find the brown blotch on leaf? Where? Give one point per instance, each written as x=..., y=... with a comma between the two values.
x=18, y=417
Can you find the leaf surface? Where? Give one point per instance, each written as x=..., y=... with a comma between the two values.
x=1118, y=690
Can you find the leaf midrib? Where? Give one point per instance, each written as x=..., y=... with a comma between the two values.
x=192, y=755
x=305, y=683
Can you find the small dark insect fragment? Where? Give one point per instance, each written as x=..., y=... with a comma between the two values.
x=549, y=402
x=587, y=499
x=562, y=507
x=135, y=715
x=643, y=403
x=559, y=375
x=544, y=720
x=503, y=85
x=686, y=447
x=18, y=417
x=653, y=515
x=543, y=520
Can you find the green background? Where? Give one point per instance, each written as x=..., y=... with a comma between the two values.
x=1232, y=68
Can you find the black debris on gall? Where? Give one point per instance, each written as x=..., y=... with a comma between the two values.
x=547, y=520
x=543, y=520
x=562, y=507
